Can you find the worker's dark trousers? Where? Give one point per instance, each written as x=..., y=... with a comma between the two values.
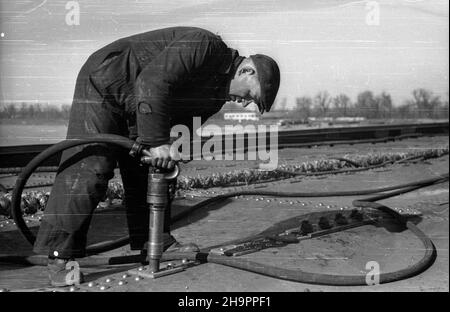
x=82, y=179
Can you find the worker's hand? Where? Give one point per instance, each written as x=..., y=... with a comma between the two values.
x=163, y=156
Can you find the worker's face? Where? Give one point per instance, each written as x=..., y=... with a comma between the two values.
x=244, y=87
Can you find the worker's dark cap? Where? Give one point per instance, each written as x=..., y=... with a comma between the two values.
x=269, y=79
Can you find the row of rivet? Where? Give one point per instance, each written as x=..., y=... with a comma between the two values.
x=280, y=201
x=122, y=281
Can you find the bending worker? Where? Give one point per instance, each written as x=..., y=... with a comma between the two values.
x=139, y=87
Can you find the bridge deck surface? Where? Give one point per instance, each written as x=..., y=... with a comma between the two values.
x=341, y=253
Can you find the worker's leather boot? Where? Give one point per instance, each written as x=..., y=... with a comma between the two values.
x=64, y=272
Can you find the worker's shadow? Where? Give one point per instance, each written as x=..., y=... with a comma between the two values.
x=392, y=221
x=183, y=215
x=393, y=226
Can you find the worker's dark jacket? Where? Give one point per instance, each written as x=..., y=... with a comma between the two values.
x=166, y=76
x=139, y=87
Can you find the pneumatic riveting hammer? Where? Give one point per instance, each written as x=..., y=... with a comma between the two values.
x=160, y=193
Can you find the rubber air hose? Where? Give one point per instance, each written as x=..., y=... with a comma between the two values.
x=128, y=144
x=276, y=272
x=35, y=162
x=346, y=280
x=329, y=279
x=287, y=274
x=219, y=197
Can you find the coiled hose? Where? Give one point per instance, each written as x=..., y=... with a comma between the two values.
x=35, y=162
x=204, y=255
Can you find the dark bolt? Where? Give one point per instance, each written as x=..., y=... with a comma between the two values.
x=357, y=215
x=324, y=223
x=340, y=219
x=306, y=227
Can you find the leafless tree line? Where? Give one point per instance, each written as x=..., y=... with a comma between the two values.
x=423, y=104
x=35, y=111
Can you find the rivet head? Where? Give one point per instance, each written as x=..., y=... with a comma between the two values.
x=3, y=290
x=55, y=253
x=140, y=268
x=108, y=280
x=121, y=283
x=72, y=288
x=184, y=261
x=137, y=278
x=125, y=276
x=102, y=287
x=91, y=284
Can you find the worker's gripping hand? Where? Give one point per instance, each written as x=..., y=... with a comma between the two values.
x=164, y=157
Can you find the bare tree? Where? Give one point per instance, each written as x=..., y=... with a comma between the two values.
x=384, y=105
x=303, y=107
x=322, y=102
x=341, y=104
x=424, y=102
x=366, y=105
x=23, y=110
x=31, y=111
x=405, y=111
x=11, y=111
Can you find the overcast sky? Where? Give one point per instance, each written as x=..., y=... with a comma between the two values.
x=332, y=45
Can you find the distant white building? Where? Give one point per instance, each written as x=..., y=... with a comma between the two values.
x=239, y=116
x=350, y=119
